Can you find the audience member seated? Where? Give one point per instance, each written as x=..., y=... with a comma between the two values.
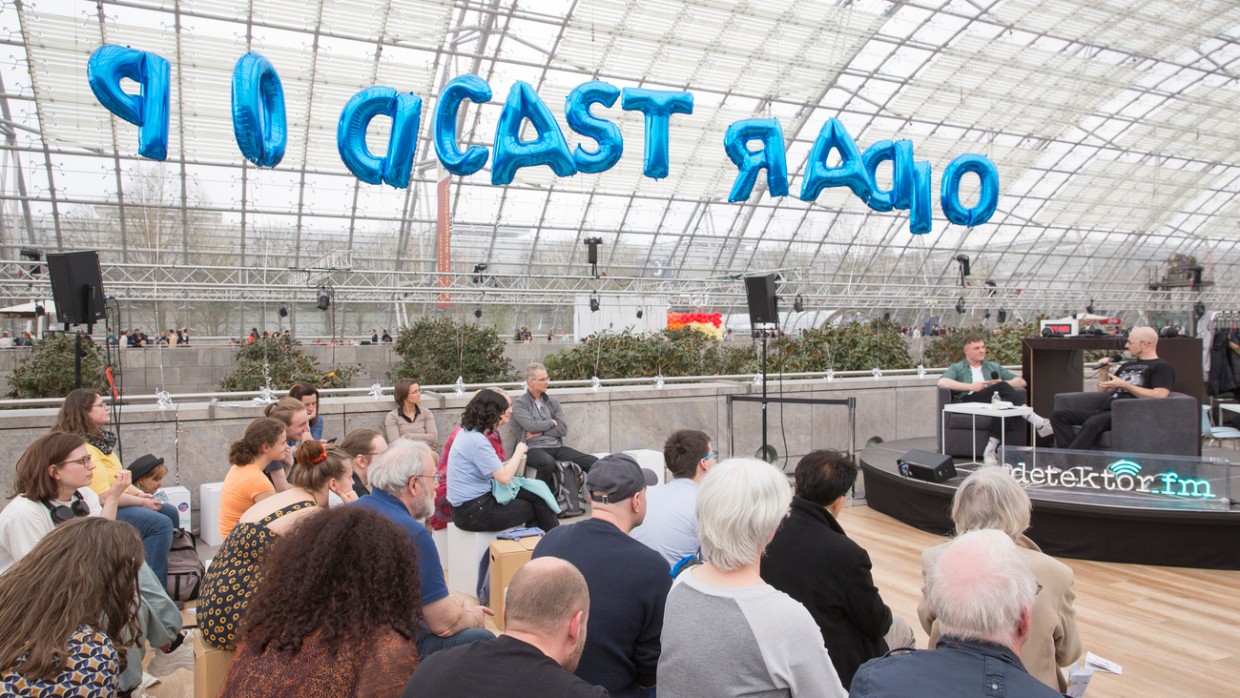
x=812, y=560
x=541, y=426
x=545, y=616
x=442, y=516
x=670, y=526
x=238, y=566
x=147, y=473
x=53, y=487
x=974, y=379
x=402, y=481
x=84, y=414
x=296, y=419
x=66, y=609
x=245, y=484
x=982, y=590
x=411, y=419
x=628, y=581
x=725, y=631
x=336, y=614
x=309, y=396
x=1144, y=376
x=991, y=498
x=473, y=467
x=363, y=445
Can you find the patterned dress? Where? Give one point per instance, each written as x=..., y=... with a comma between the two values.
x=91, y=671
x=233, y=576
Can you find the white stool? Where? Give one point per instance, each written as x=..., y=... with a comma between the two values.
x=441, y=544
x=209, y=512
x=465, y=551
x=651, y=460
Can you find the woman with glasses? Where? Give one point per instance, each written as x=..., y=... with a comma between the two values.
x=84, y=575
x=85, y=414
x=52, y=487
x=991, y=498
x=473, y=467
x=411, y=419
x=238, y=566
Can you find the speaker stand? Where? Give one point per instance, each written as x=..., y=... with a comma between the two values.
x=767, y=452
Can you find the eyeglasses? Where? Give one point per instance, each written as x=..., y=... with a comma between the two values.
x=83, y=461
x=710, y=455
x=436, y=478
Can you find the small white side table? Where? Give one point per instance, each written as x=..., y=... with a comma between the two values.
x=982, y=409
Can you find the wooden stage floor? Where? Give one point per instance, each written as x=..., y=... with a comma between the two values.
x=1175, y=631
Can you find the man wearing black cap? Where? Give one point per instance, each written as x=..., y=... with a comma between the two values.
x=628, y=581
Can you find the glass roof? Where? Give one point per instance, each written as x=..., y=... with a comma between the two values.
x=1110, y=123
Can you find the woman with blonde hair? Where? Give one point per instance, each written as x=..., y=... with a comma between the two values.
x=84, y=575
x=991, y=498
x=245, y=484
x=84, y=413
x=238, y=565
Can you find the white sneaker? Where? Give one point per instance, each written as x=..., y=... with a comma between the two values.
x=990, y=457
x=1046, y=429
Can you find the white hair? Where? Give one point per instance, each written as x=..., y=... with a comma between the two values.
x=991, y=498
x=391, y=470
x=979, y=587
x=739, y=505
x=532, y=369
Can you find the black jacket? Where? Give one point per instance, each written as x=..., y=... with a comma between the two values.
x=811, y=560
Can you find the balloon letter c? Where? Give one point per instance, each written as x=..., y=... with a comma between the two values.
x=458, y=89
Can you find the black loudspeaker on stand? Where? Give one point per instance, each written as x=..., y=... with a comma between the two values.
x=926, y=465
x=764, y=312
x=77, y=289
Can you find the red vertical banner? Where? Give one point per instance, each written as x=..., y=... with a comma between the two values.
x=443, y=238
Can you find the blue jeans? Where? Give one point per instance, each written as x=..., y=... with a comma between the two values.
x=155, y=527
x=429, y=642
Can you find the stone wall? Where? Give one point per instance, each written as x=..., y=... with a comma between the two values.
x=194, y=437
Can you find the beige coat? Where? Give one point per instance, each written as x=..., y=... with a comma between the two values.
x=1054, y=640
x=422, y=428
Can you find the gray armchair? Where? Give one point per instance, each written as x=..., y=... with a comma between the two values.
x=1169, y=426
x=962, y=441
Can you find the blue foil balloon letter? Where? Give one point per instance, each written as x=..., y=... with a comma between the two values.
x=849, y=173
x=920, y=216
x=405, y=110
x=148, y=110
x=949, y=190
x=606, y=133
x=548, y=148
x=259, y=122
x=458, y=89
x=900, y=154
x=658, y=106
x=771, y=156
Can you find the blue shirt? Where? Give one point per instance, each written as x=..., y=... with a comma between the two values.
x=429, y=569
x=671, y=527
x=470, y=465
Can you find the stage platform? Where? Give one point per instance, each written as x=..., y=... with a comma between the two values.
x=1152, y=533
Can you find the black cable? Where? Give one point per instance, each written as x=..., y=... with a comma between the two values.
x=782, y=431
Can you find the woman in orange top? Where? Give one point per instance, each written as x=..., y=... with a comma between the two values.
x=246, y=485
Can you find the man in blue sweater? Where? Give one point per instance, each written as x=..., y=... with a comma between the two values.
x=628, y=581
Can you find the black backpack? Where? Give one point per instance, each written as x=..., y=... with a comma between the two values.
x=568, y=483
x=185, y=569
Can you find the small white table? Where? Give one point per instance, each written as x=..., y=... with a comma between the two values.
x=983, y=409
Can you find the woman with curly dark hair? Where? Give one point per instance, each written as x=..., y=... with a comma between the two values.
x=84, y=576
x=336, y=615
x=473, y=466
x=238, y=566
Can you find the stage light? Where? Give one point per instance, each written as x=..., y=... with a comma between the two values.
x=639, y=313
x=594, y=304
x=960, y=305
x=1090, y=308
x=986, y=315
x=1002, y=316
x=1199, y=310
x=965, y=268
x=33, y=254
x=325, y=301
x=283, y=310
x=798, y=304
x=39, y=310
x=592, y=254
x=478, y=311
x=478, y=269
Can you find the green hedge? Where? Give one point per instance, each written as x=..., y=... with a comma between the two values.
x=1002, y=344
x=48, y=370
x=435, y=350
x=286, y=364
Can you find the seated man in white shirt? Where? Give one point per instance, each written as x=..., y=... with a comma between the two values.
x=670, y=527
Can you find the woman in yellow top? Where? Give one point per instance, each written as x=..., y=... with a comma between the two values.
x=246, y=485
x=85, y=414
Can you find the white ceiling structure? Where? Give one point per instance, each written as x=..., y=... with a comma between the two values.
x=1111, y=122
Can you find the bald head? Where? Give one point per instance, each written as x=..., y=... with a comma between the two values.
x=981, y=587
x=544, y=595
x=1143, y=342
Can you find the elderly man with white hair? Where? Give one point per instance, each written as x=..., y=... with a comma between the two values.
x=982, y=590
x=402, y=483
x=725, y=631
